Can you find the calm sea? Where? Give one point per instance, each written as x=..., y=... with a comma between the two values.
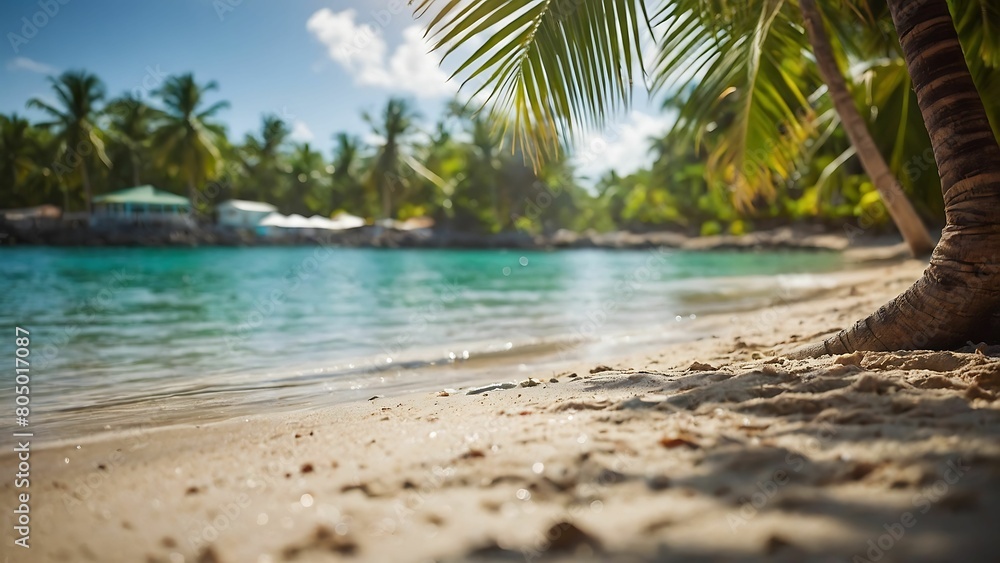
x=129, y=336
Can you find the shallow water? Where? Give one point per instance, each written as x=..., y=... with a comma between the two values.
x=128, y=335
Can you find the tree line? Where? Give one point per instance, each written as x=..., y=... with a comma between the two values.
x=455, y=171
x=461, y=170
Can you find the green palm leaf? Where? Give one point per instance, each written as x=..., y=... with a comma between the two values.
x=744, y=75
x=544, y=66
x=978, y=24
x=188, y=144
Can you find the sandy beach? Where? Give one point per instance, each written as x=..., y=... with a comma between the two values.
x=714, y=450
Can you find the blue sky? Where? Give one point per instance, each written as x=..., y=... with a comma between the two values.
x=317, y=63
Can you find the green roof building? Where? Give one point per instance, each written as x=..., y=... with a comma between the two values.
x=142, y=205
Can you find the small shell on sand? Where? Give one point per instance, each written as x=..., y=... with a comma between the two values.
x=491, y=387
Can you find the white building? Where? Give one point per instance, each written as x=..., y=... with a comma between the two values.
x=278, y=225
x=241, y=214
x=142, y=205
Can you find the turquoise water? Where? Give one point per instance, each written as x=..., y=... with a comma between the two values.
x=134, y=333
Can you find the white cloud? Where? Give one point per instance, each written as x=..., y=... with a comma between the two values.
x=30, y=65
x=622, y=147
x=301, y=132
x=362, y=51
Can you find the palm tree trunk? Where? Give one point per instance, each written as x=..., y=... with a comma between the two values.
x=903, y=215
x=386, y=200
x=135, y=171
x=960, y=290
x=87, y=195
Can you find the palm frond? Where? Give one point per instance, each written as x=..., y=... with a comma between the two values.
x=542, y=67
x=978, y=24
x=743, y=71
x=213, y=109
x=36, y=103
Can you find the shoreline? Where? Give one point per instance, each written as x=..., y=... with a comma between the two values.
x=314, y=386
x=712, y=450
x=811, y=237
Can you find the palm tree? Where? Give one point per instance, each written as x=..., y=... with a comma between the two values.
x=17, y=151
x=307, y=171
x=131, y=126
x=751, y=57
x=263, y=156
x=24, y=178
x=393, y=126
x=347, y=191
x=554, y=63
x=186, y=138
x=958, y=292
x=900, y=209
x=760, y=62
x=77, y=134
x=483, y=164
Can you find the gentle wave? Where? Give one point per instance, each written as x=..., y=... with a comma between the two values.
x=191, y=334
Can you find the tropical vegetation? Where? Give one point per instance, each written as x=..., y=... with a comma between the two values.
x=760, y=137
x=749, y=78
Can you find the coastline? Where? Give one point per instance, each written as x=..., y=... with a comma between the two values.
x=815, y=237
x=717, y=449
x=113, y=399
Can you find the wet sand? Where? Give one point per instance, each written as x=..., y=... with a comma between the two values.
x=714, y=450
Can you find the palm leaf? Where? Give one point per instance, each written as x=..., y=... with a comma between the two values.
x=978, y=24
x=545, y=67
x=744, y=75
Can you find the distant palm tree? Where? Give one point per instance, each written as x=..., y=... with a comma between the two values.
x=131, y=126
x=186, y=138
x=347, y=191
x=393, y=126
x=262, y=156
x=17, y=151
x=307, y=171
x=77, y=134
x=483, y=160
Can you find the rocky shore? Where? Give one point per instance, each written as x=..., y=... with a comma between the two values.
x=801, y=237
